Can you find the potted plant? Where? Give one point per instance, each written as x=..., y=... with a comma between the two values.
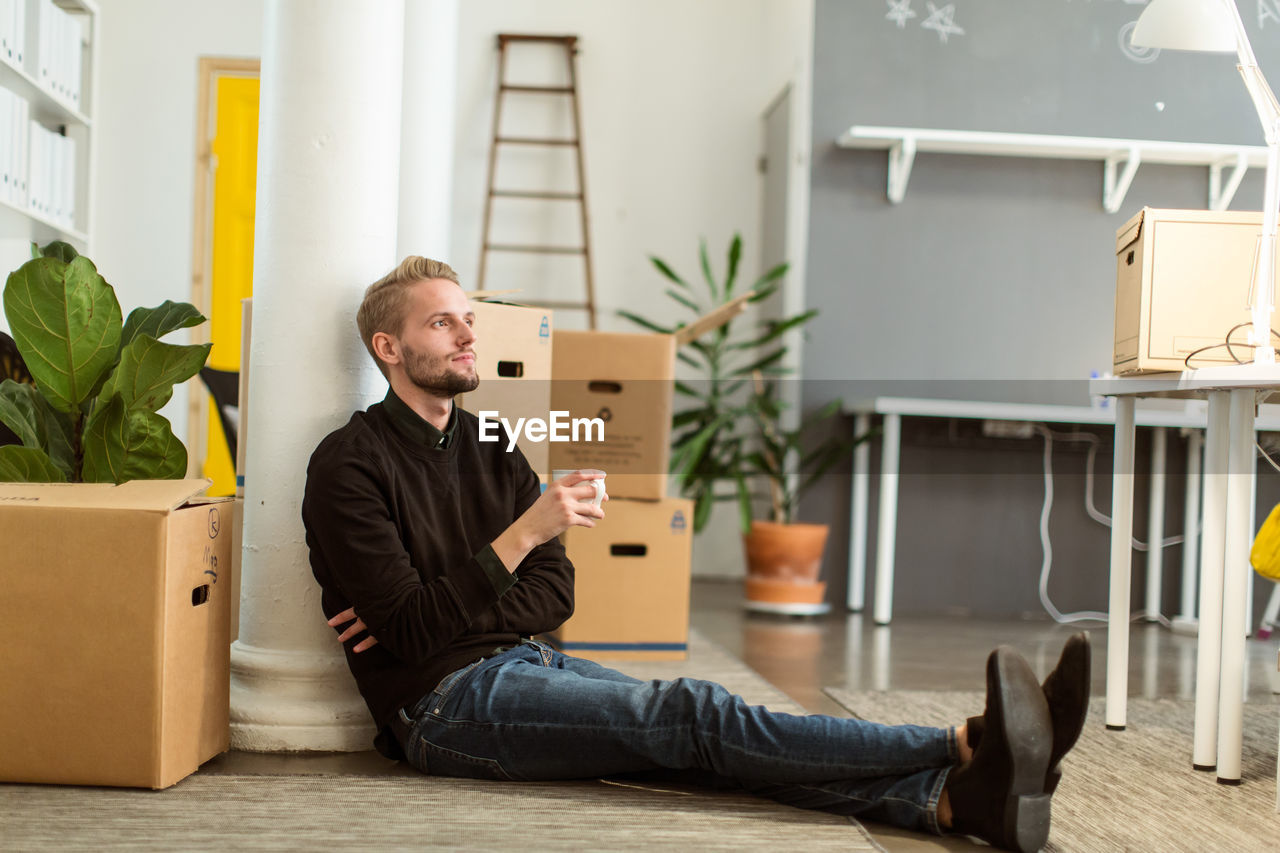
x=784, y=557
x=730, y=438
x=92, y=413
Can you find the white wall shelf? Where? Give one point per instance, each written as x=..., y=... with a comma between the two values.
x=49, y=63
x=45, y=105
x=1120, y=157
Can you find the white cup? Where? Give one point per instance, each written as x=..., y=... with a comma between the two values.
x=559, y=474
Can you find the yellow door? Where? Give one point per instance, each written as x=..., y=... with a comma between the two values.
x=235, y=153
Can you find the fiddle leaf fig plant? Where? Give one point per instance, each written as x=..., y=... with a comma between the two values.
x=99, y=379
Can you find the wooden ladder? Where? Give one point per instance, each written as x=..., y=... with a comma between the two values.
x=570, y=46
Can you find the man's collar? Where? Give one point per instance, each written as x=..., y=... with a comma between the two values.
x=413, y=427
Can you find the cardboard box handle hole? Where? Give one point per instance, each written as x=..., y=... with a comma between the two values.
x=598, y=387
x=199, y=595
x=511, y=369
x=628, y=550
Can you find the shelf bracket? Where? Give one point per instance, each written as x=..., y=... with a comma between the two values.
x=1219, y=196
x=902, y=155
x=1114, y=188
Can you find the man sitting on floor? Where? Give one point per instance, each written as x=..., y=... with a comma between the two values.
x=439, y=560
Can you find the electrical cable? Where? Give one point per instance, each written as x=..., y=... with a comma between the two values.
x=1267, y=456
x=1047, y=548
x=1228, y=343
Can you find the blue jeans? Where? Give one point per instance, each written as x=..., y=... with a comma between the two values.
x=534, y=714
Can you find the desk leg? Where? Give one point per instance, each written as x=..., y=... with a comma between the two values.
x=887, y=529
x=1235, y=580
x=858, y=507
x=1155, y=525
x=1190, y=526
x=1121, y=566
x=1212, y=544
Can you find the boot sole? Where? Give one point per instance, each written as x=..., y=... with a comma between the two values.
x=1027, y=812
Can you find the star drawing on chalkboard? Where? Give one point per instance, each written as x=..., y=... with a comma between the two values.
x=900, y=12
x=943, y=20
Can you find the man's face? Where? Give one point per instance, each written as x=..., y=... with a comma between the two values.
x=437, y=339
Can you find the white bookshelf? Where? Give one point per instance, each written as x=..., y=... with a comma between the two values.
x=50, y=65
x=1120, y=157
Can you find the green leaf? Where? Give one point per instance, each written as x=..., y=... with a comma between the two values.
x=688, y=359
x=763, y=293
x=777, y=329
x=122, y=444
x=702, y=511
x=668, y=272
x=17, y=411
x=65, y=320
x=706, y=270
x=771, y=276
x=148, y=370
x=744, y=505
x=684, y=300
x=64, y=252
x=35, y=250
x=682, y=388
x=648, y=324
x=28, y=465
x=25, y=411
x=735, y=255
x=761, y=363
x=169, y=316
x=689, y=416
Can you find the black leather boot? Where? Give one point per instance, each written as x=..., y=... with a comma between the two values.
x=1000, y=795
x=1067, y=691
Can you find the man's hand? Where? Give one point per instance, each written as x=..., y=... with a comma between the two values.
x=566, y=503
x=353, y=629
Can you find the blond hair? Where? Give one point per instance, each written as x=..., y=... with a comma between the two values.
x=386, y=301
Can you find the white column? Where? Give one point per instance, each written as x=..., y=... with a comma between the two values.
x=426, y=131
x=328, y=155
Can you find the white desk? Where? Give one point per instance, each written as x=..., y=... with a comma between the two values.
x=893, y=409
x=1233, y=394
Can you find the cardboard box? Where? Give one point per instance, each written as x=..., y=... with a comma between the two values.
x=1182, y=282
x=513, y=359
x=632, y=575
x=624, y=381
x=116, y=604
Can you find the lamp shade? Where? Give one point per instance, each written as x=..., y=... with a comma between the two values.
x=1187, y=25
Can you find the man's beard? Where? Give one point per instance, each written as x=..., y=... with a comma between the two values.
x=436, y=379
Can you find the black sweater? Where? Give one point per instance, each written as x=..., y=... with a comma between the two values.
x=402, y=533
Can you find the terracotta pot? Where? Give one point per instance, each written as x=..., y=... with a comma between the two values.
x=784, y=553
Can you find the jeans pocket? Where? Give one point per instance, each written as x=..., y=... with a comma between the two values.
x=436, y=699
x=451, y=762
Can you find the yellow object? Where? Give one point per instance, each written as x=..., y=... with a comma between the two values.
x=235, y=151
x=1265, y=555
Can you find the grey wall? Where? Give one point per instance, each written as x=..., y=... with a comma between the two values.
x=994, y=279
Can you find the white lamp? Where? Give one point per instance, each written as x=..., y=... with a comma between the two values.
x=1215, y=25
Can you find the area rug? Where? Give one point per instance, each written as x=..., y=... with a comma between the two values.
x=400, y=811
x=1129, y=790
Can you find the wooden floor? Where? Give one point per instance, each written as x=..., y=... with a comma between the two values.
x=802, y=655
